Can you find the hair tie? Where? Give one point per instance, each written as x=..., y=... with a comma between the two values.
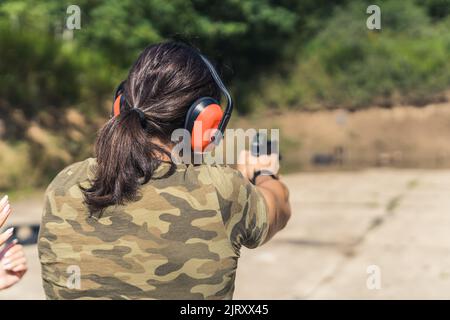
x=141, y=115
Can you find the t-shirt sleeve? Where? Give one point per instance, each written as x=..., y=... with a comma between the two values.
x=244, y=209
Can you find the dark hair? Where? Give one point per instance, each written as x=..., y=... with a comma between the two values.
x=164, y=81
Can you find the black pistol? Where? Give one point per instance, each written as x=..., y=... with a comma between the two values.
x=261, y=145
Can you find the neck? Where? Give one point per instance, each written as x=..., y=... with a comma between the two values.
x=168, y=148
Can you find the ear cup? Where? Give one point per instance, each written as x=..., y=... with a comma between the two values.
x=206, y=121
x=118, y=100
x=204, y=115
x=116, y=106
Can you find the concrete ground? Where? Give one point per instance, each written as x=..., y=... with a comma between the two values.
x=372, y=234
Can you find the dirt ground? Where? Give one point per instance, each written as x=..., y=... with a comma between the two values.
x=345, y=225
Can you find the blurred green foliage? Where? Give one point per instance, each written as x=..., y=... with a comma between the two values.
x=249, y=36
x=282, y=53
x=309, y=54
x=347, y=65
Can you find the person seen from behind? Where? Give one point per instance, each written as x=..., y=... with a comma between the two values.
x=132, y=224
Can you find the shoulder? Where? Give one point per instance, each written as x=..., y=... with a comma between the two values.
x=232, y=189
x=64, y=192
x=73, y=175
x=225, y=179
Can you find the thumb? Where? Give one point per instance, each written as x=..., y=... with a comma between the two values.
x=6, y=235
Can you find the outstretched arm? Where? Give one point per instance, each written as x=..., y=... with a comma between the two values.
x=275, y=193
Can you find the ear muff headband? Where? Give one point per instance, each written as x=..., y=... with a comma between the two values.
x=229, y=108
x=213, y=119
x=205, y=115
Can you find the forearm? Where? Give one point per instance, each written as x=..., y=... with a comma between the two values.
x=276, y=195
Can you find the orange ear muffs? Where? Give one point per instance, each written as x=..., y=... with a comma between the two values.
x=118, y=100
x=205, y=120
x=202, y=119
x=116, y=106
x=204, y=127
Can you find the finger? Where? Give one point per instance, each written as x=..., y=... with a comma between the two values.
x=251, y=159
x=4, y=207
x=264, y=160
x=6, y=235
x=3, y=202
x=243, y=156
x=275, y=156
x=9, y=281
x=14, y=263
x=4, y=214
x=21, y=269
x=14, y=256
x=274, y=163
x=13, y=250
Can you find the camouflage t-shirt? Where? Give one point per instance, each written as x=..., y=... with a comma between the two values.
x=180, y=240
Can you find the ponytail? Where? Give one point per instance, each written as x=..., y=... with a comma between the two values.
x=161, y=85
x=126, y=158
